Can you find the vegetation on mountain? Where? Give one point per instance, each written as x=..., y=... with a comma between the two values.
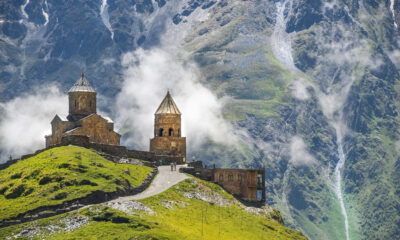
x=192, y=209
x=61, y=174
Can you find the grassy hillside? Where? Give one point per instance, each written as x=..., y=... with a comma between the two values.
x=192, y=209
x=62, y=174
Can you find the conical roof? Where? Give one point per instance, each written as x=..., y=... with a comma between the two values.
x=168, y=106
x=82, y=85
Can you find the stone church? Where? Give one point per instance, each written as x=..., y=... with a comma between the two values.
x=167, y=139
x=83, y=119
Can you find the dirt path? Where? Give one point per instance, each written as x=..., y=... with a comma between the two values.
x=163, y=180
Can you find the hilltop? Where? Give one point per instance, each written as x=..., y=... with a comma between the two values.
x=63, y=174
x=191, y=209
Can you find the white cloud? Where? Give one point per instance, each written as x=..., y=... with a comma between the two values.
x=299, y=154
x=148, y=75
x=25, y=120
x=299, y=89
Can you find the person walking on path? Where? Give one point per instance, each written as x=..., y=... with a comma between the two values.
x=172, y=167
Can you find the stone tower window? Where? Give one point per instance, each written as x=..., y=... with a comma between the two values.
x=90, y=103
x=161, y=132
x=76, y=103
x=230, y=177
x=221, y=177
x=171, y=132
x=179, y=132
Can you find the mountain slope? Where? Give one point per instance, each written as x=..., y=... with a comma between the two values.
x=310, y=87
x=62, y=174
x=192, y=209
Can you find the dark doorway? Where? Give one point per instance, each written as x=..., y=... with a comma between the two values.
x=171, y=132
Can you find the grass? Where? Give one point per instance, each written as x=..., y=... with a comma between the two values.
x=217, y=216
x=61, y=174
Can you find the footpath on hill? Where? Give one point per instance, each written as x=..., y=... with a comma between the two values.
x=163, y=180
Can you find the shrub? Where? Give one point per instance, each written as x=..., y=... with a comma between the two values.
x=103, y=217
x=16, y=192
x=3, y=189
x=87, y=182
x=60, y=196
x=69, y=183
x=33, y=174
x=44, y=180
x=119, y=219
x=15, y=176
x=64, y=165
x=29, y=191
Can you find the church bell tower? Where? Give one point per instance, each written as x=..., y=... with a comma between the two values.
x=167, y=131
x=82, y=99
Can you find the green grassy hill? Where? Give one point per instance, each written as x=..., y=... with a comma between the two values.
x=62, y=174
x=192, y=209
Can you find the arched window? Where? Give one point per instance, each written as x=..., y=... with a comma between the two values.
x=221, y=177
x=230, y=177
x=171, y=132
x=161, y=132
x=179, y=132
x=76, y=103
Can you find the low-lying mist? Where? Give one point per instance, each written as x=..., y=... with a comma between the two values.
x=25, y=120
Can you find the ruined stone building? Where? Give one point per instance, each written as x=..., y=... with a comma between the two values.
x=247, y=184
x=167, y=141
x=83, y=119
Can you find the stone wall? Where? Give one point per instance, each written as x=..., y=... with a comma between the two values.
x=243, y=183
x=121, y=151
x=175, y=146
x=168, y=159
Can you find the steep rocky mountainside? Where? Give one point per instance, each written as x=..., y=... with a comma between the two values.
x=313, y=89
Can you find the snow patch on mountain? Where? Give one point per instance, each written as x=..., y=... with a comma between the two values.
x=105, y=17
x=393, y=13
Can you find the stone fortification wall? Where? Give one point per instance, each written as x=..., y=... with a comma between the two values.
x=115, y=150
x=168, y=159
x=83, y=141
